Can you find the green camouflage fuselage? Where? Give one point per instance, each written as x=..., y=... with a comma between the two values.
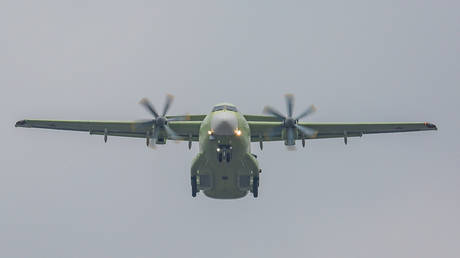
x=227, y=132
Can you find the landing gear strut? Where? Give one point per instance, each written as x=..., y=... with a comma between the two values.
x=255, y=186
x=194, y=186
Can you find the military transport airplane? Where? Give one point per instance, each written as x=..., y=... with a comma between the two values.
x=225, y=168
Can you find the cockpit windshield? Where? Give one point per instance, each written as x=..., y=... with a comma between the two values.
x=225, y=107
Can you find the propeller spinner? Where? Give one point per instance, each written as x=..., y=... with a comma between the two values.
x=290, y=123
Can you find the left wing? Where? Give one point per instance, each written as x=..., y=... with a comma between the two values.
x=187, y=130
x=273, y=131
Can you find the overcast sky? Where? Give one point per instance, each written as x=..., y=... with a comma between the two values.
x=67, y=194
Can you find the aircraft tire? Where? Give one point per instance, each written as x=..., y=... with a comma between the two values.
x=219, y=156
x=228, y=157
x=255, y=187
x=194, y=186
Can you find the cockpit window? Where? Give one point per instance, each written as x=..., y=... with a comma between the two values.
x=231, y=108
x=218, y=108
x=224, y=107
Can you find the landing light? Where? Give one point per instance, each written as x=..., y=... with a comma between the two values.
x=237, y=132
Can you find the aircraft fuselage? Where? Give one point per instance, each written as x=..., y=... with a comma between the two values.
x=224, y=167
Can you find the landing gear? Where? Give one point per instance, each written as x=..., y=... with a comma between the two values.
x=220, y=156
x=255, y=186
x=228, y=156
x=194, y=186
x=224, y=152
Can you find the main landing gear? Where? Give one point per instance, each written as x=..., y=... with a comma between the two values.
x=255, y=186
x=194, y=186
x=224, y=152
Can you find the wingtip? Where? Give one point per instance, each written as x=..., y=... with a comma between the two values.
x=431, y=126
x=20, y=123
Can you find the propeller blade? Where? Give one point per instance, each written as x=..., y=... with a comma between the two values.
x=291, y=148
x=146, y=103
x=179, y=118
x=310, y=110
x=289, y=104
x=274, y=132
x=290, y=140
x=142, y=124
x=307, y=131
x=169, y=99
x=173, y=135
x=145, y=123
x=274, y=112
x=156, y=132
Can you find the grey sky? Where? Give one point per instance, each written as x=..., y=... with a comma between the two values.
x=67, y=194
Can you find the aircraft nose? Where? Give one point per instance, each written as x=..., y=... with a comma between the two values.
x=224, y=123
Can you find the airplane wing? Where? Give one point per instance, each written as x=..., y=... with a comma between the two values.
x=272, y=131
x=187, y=130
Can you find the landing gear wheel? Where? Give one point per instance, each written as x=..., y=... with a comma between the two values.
x=228, y=157
x=194, y=186
x=219, y=156
x=255, y=187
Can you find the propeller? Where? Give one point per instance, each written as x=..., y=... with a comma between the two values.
x=160, y=121
x=290, y=123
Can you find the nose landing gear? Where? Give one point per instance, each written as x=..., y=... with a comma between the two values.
x=220, y=156
x=224, y=152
